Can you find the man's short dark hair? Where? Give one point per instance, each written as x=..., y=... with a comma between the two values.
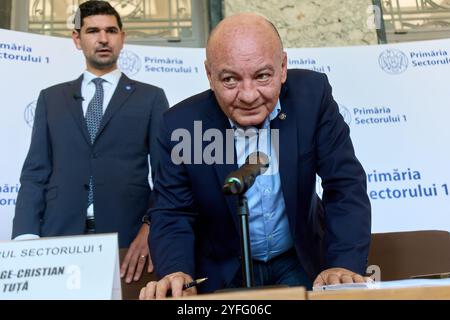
x=94, y=8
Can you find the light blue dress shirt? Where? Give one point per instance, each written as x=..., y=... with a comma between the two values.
x=269, y=225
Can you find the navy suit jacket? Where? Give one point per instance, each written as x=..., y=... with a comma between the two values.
x=195, y=227
x=52, y=200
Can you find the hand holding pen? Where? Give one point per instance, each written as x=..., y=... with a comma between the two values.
x=191, y=284
x=162, y=288
x=194, y=283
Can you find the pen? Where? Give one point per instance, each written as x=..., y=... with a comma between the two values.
x=188, y=285
x=194, y=283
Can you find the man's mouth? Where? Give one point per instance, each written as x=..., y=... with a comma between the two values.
x=250, y=110
x=103, y=51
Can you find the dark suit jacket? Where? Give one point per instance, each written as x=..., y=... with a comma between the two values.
x=52, y=200
x=195, y=227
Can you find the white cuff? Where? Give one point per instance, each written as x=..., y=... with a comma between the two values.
x=26, y=237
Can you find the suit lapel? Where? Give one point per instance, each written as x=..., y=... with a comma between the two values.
x=74, y=103
x=288, y=148
x=218, y=120
x=124, y=89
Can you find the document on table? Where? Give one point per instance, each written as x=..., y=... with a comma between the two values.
x=386, y=284
x=344, y=286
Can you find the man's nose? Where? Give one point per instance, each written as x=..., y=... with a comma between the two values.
x=103, y=37
x=248, y=93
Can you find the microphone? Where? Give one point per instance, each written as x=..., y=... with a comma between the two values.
x=76, y=96
x=239, y=181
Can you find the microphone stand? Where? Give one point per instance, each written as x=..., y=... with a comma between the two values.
x=237, y=183
x=247, y=264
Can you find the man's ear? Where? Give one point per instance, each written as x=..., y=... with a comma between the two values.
x=284, y=67
x=76, y=39
x=209, y=74
x=123, y=36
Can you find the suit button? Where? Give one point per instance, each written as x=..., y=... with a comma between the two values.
x=94, y=156
x=86, y=187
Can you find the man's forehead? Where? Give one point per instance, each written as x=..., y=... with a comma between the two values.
x=244, y=59
x=244, y=47
x=103, y=21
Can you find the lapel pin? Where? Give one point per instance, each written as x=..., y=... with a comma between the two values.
x=282, y=116
x=128, y=88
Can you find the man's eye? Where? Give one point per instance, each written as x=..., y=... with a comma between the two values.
x=229, y=80
x=113, y=30
x=263, y=76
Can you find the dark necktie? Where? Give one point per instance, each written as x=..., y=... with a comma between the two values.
x=94, y=116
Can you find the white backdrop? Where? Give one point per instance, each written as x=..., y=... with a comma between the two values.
x=395, y=98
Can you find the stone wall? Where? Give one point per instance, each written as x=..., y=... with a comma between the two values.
x=313, y=23
x=5, y=14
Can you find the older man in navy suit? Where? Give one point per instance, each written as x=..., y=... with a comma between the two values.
x=296, y=237
x=87, y=167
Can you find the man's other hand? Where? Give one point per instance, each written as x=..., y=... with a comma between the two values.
x=138, y=253
x=338, y=276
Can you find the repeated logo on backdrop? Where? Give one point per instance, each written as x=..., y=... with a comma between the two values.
x=28, y=114
x=129, y=63
x=372, y=115
x=393, y=61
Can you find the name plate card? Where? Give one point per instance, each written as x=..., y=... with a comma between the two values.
x=61, y=268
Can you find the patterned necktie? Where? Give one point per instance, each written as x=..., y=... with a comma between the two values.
x=94, y=116
x=94, y=111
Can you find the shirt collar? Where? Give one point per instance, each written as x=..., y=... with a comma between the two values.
x=266, y=123
x=276, y=111
x=112, y=78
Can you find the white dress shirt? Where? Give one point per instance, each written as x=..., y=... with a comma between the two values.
x=88, y=92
